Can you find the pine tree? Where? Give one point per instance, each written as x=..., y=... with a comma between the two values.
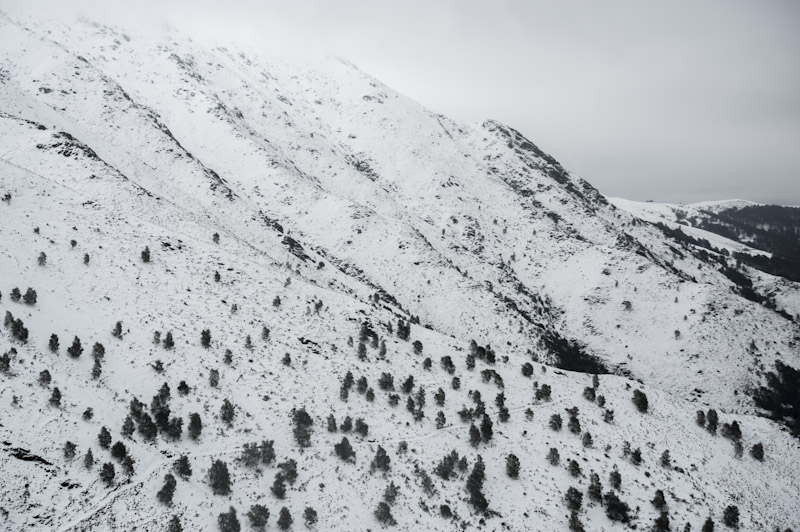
x=440, y=420
x=55, y=398
x=658, y=500
x=146, y=254
x=712, y=419
x=128, y=427
x=661, y=524
x=587, y=440
x=117, y=331
x=486, y=429
x=555, y=422
x=615, y=479
x=708, y=526
x=167, y=491
x=757, y=451
x=475, y=486
x=53, y=343
x=279, y=486
x=666, y=461
x=30, y=296
x=104, y=438
x=118, y=450
x=147, y=428
x=285, y=519
x=553, y=457
x=512, y=466
x=344, y=450
x=107, y=473
x=595, y=488
x=169, y=342
x=258, y=516
x=616, y=510
x=381, y=462
x=218, y=478
x=310, y=516
x=127, y=465
x=182, y=467
x=44, y=378
x=574, y=499
x=175, y=524
x=88, y=459
x=69, y=450
x=731, y=516
x=640, y=400
x=42, y=259
x=86, y=259
x=227, y=412
x=384, y=514
x=75, y=349
x=228, y=521
x=205, y=338
x=474, y=435
x=213, y=378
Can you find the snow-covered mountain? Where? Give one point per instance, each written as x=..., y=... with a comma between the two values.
x=318, y=224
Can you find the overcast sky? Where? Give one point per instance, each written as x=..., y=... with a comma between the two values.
x=679, y=100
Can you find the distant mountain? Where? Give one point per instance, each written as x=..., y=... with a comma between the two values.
x=332, y=261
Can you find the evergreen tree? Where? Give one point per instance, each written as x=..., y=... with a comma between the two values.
x=104, y=438
x=302, y=427
x=553, y=457
x=55, y=398
x=555, y=422
x=258, y=516
x=15, y=294
x=228, y=521
x=574, y=499
x=147, y=428
x=86, y=259
x=575, y=524
x=640, y=400
x=279, y=486
x=381, y=462
x=512, y=466
x=167, y=491
x=205, y=338
x=88, y=459
x=475, y=486
x=708, y=526
x=285, y=519
x=615, y=479
x=757, y=451
x=731, y=516
x=88, y=414
x=118, y=451
x=712, y=419
x=616, y=509
x=227, y=412
x=310, y=516
x=344, y=450
x=182, y=467
x=127, y=465
x=97, y=369
x=53, y=343
x=440, y=420
x=390, y=493
x=195, y=426
x=42, y=259
x=107, y=473
x=474, y=435
x=384, y=514
x=218, y=478
x=574, y=468
x=30, y=296
x=75, y=349
x=174, y=524
x=169, y=342
x=595, y=488
x=98, y=351
x=44, y=378
x=69, y=450
x=587, y=440
x=666, y=461
x=658, y=500
x=661, y=524
x=117, y=331
x=146, y=254
x=486, y=429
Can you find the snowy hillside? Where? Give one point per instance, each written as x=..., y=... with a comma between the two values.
x=316, y=224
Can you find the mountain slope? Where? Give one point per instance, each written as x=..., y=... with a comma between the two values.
x=353, y=205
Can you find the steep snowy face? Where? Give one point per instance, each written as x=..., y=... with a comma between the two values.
x=318, y=224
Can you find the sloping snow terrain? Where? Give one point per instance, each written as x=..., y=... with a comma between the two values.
x=310, y=239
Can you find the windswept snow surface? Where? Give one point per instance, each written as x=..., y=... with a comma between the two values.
x=351, y=204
